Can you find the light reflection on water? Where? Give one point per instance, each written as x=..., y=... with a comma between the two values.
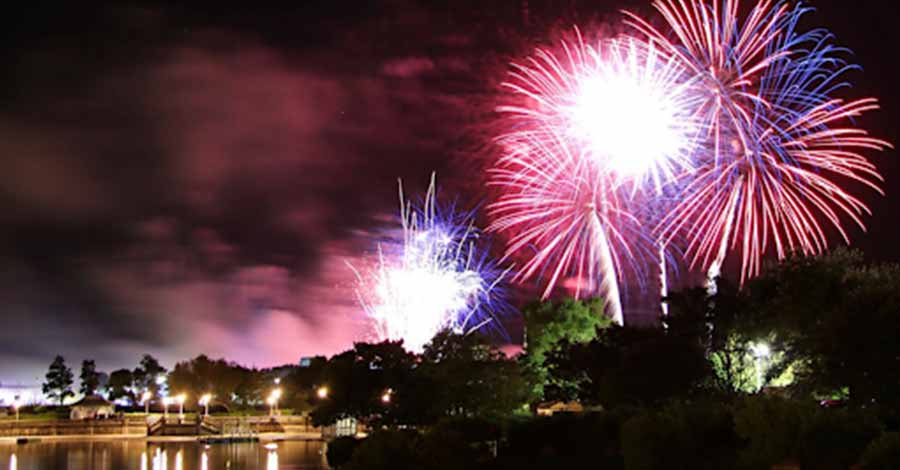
x=272, y=460
x=138, y=454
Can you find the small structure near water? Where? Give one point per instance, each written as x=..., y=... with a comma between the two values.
x=551, y=408
x=92, y=407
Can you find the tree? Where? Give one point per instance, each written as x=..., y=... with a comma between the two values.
x=90, y=378
x=301, y=384
x=725, y=324
x=550, y=324
x=59, y=381
x=631, y=366
x=834, y=319
x=464, y=376
x=830, y=323
x=356, y=380
x=121, y=385
x=203, y=375
x=148, y=373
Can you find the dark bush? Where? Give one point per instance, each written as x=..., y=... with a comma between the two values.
x=883, y=453
x=771, y=428
x=459, y=444
x=680, y=436
x=577, y=441
x=387, y=450
x=835, y=439
x=340, y=451
x=777, y=430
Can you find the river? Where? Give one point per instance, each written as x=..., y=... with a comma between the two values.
x=142, y=455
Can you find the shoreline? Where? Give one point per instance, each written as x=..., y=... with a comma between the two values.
x=263, y=437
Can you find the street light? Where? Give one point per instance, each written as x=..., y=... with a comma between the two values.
x=204, y=402
x=386, y=396
x=322, y=392
x=166, y=402
x=761, y=353
x=16, y=406
x=181, y=398
x=760, y=350
x=273, y=400
x=145, y=399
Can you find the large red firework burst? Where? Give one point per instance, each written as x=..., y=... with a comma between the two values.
x=778, y=147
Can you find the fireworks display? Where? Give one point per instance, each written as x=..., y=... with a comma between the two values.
x=728, y=120
x=618, y=102
x=592, y=126
x=434, y=277
x=778, y=145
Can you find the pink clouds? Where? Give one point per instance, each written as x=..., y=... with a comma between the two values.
x=261, y=315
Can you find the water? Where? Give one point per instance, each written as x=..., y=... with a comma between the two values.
x=142, y=455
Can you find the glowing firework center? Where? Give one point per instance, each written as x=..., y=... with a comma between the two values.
x=435, y=277
x=624, y=123
x=429, y=289
x=629, y=110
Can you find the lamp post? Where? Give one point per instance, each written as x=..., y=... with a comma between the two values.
x=322, y=392
x=145, y=399
x=166, y=402
x=273, y=401
x=204, y=402
x=181, y=399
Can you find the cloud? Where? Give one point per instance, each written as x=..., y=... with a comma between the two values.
x=204, y=198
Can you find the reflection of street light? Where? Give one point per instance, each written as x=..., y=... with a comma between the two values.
x=322, y=392
x=166, y=402
x=181, y=398
x=145, y=399
x=272, y=456
x=386, y=396
x=204, y=402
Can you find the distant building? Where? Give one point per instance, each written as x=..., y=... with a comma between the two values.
x=305, y=361
x=92, y=407
x=21, y=394
x=341, y=428
x=551, y=408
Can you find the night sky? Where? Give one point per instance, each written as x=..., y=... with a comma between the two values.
x=193, y=180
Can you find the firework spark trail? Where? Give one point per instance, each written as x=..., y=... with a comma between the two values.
x=569, y=217
x=436, y=278
x=591, y=130
x=778, y=142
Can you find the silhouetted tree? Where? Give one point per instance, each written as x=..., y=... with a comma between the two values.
x=90, y=378
x=121, y=384
x=147, y=374
x=59, y=381
x=203, y=375
x=550, y=324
